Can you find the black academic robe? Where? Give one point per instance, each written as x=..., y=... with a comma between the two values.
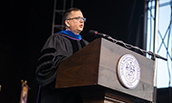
x=56, y=49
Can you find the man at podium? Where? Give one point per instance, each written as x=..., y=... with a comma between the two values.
x=57, y=48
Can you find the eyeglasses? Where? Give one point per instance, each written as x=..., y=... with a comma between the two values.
x=77, y=18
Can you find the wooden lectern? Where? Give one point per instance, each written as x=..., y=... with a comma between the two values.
x=92, y=71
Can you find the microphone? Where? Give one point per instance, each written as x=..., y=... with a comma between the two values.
x=93, y=32
x=128, y=46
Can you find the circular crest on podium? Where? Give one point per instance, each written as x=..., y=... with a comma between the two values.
x=128, y=71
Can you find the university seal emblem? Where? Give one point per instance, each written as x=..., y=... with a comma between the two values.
x=128, y=71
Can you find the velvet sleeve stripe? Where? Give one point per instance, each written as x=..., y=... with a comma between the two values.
x=46, y=78
x=48, y=57
x=58, y=59
x=48, y=67
x=47, y=50
x=46, y=72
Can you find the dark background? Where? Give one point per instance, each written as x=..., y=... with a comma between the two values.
x=26, y=25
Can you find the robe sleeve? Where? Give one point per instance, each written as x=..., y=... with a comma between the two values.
x=56, y=49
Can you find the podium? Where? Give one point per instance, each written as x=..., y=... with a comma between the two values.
x=92, y=71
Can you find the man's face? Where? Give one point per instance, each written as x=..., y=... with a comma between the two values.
x=75, y=25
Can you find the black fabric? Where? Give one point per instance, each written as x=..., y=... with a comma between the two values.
x=75, y=48
x=56, y=49
x=77, y=45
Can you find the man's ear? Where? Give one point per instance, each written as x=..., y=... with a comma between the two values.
x=67, y=23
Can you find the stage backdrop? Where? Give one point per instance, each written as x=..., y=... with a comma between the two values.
x=123, y=20
x=26, y=25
